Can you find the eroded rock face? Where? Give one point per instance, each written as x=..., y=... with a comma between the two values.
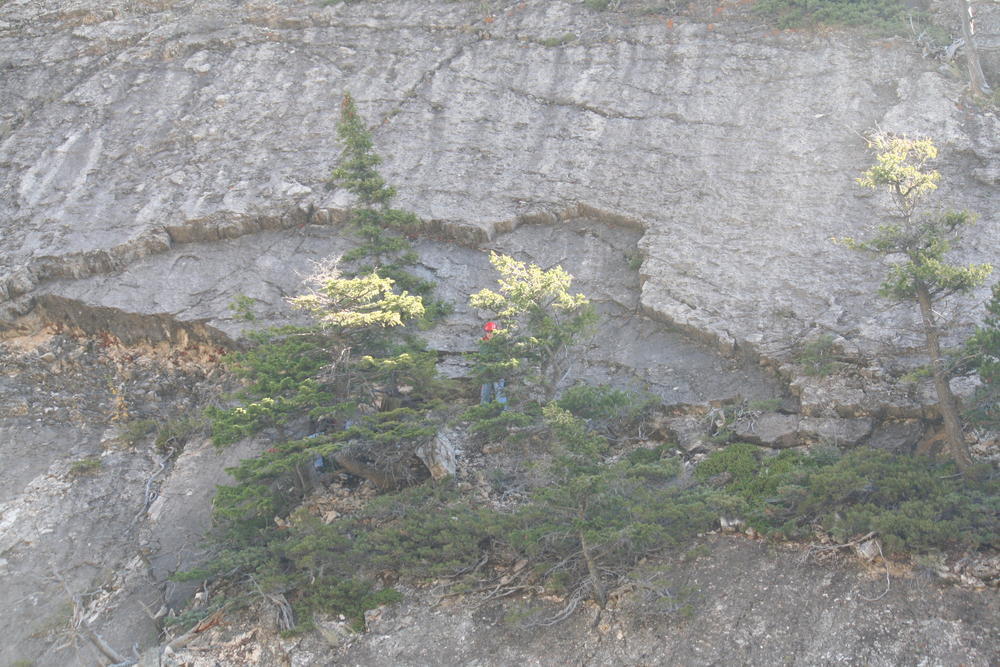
x=732, y=601
x=734, y=148
x=159, y=158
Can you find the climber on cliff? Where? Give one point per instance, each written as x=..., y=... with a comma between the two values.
x=492, y=391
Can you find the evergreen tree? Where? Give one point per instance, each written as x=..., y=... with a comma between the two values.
x=357, y=172
x=539, y=321
x=922, y=241
x=358, y=303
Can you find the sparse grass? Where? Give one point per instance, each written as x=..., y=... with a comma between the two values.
x=818, y=356
x=86, y=466
x=135, y=430
x=558, y=41
x=175, y=433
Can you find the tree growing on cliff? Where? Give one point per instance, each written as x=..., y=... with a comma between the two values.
x=539, y=321
x=357, y=172
x=918, y=243
x=384, y=229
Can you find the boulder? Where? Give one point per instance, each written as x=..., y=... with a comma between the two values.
x=439, y=455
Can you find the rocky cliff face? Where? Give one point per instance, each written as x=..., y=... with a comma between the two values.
x=160, y=157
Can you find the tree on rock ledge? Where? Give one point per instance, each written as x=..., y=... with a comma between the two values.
x=921, y=242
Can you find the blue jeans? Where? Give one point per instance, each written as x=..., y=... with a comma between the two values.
x=493, y=391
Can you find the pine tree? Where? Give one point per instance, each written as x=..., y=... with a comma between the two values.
x=357, y=172
x=922, y=240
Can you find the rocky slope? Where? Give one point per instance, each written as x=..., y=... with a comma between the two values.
x=160, y=157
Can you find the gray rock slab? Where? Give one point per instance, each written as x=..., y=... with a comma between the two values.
x=734, y=147
x=815, y=614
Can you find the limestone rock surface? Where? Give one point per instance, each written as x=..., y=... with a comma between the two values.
x=160, y=157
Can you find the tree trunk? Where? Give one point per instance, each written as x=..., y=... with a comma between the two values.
x=955, y=440
x=600, y=595
x=976, y=77
x=380, y=478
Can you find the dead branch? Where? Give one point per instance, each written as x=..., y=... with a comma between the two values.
x=81, y=626
x=286, y=618
x=854, y=544
x=568, y=610
x=886, y=591
x=815, y=548
x=148, y=495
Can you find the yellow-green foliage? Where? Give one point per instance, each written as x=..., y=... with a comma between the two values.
x=901, y=169
x=539, y=319
x=356, y=303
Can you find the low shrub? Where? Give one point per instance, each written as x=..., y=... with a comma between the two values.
x=135, y=430
x=85, y=466
x=818, y=356
x=913, y=503
x=878, y=16
x=175, y=433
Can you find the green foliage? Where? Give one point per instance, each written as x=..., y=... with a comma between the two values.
x=356, y=170
x=818, y=356
x=242, y=307
x=280, y=360
x=755, y=478
x=233, y=424
x=293, y=372
x=135, y=430
x=878, y=16
x=393, y=427
x=85, y=466
x=606, y=408
x=597, y=519
x=901, y=169
x=380, y=226
x=358, y=174
x=913, y=503
x=491, y=423
x=332, y=595
x=645, y=455
x=425, y=531
x=540, y=321
x=923, y=276
x=983, y=350
x=559, y=41
x=634, y=261
x=175, y=433
x=283, y=370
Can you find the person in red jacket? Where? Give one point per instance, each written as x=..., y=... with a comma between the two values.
x=492, y=391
